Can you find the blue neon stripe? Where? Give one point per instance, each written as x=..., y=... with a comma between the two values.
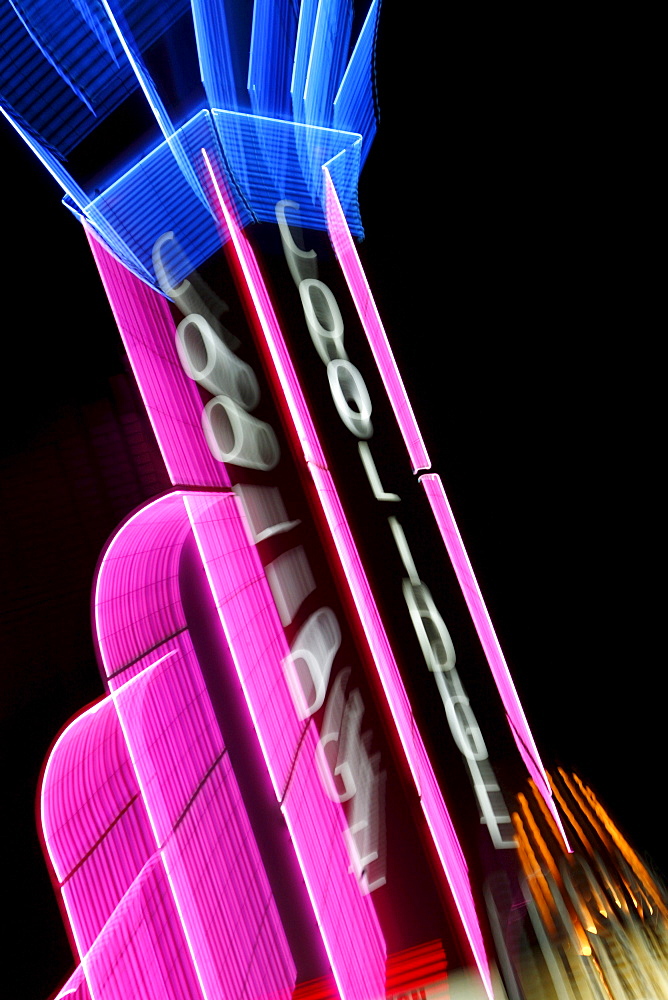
x=327, y=59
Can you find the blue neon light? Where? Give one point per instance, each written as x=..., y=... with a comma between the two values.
x=271, y=57
x=214, y=46
x=279, y=97
x=354, y=104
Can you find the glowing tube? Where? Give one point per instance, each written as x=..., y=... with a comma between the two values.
x=519, y=726
x=172, y=399
x=344, y=248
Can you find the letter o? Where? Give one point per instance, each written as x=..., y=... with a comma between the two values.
x=323, y=318
x=238, y=438
x=347, y=386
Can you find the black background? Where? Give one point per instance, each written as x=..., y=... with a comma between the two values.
x=499, y=217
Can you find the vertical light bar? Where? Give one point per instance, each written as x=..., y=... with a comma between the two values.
x=433, y=805
x=442, y=512
x=344, y=248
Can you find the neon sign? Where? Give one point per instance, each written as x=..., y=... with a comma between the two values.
x=286, y=625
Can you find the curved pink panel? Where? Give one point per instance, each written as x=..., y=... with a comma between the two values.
x=137, y=604
x=159, y=869
x=95, y=824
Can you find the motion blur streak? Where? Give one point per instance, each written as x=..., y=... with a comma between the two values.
x=598, y=928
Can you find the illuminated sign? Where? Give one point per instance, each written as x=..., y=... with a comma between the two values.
x=260, y=802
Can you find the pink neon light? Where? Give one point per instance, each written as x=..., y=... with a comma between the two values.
x=172, y=400
x=76, y=987
x=341, y=910
x=300, y=416
x=344, y=248
x=95, y=824
x=442, y=512
x=434, y=807
x=142, y=951
x=161, y=877
x=137, y=604
x=255, y=637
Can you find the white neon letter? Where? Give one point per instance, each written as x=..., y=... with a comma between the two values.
x=465, y=730
x=432, y=632
x=372, y=473
x=347, y=387
x=310, y=661
x=302, y=263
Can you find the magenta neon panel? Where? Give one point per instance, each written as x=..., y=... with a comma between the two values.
x=227, y=907
x=88, y=769
x=172, y=400
x=163, y=882
x=137, y=601
x=142, y=951
x=171, y=732
x=257, y=642
x=442, y=511
x=348, y=258
x=94, y=820
x=76, y=987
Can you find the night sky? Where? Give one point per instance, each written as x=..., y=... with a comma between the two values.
x=497, y=249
